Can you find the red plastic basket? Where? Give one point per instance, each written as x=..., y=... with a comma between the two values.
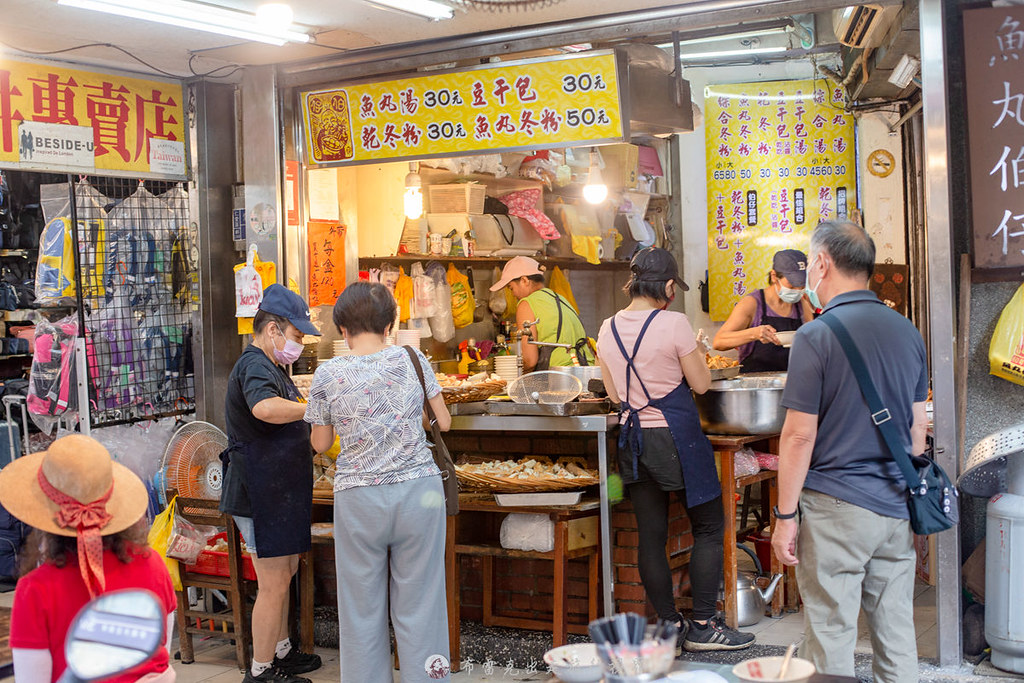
x=213, y=563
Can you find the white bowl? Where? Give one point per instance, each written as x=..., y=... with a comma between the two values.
x=786, y=338
x=767, y=669
x=589, y=669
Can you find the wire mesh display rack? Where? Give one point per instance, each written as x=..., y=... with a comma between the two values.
x=137, y=276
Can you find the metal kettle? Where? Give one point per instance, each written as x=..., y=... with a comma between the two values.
x=750, y=599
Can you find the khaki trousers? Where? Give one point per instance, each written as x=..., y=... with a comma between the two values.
x=853, y=559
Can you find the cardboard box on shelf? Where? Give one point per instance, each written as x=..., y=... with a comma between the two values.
x=620, y=165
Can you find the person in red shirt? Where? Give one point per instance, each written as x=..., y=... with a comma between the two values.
x=88, y=513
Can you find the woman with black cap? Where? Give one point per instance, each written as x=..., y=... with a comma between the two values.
x=650, y=362
x=757, y=318
x=268, y=467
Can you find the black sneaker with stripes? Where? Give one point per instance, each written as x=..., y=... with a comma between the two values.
x=715, y=635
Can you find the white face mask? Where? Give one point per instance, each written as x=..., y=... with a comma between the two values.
x=790, y=296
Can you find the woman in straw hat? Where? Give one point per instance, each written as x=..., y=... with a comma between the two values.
x=88, y=513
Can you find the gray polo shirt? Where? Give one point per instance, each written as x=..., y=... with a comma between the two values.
x=850, y=460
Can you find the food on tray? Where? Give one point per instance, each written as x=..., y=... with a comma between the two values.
x=528, y=468
x=221, y=546
x=454, y=381
x=720, y=362
x=322, y=529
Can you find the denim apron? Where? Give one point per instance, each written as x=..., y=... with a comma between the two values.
x=696, y=456
x=279, y=479
x=770, y=357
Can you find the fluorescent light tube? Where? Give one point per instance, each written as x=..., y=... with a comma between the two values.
x=195, y=16
x=743, y=52
x=726, y=36
x=435, y=11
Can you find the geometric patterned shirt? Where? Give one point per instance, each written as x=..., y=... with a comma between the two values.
x=375, y=405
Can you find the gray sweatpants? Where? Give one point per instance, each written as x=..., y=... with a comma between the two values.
x=401, y=528
x=853, y=559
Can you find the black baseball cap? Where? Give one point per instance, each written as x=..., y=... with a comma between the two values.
x=792, y=265
x=280, y=300
x=655, y=264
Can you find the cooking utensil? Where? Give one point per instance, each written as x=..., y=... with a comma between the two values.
x=748, y=404
x=547, y=387
x=784, y=669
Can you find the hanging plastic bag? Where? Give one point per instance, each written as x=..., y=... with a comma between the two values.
x=52, y=391
x=187, y=540
x=424, y=292
x=1006, y=350
x=463, y=301
x=441, y=323
x=160, y=539
x=559, y=284
x=267, y=271
x=497, y=302
x=404, y=296
x=248, y=287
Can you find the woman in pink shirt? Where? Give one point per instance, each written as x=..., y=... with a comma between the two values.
x=650, y=362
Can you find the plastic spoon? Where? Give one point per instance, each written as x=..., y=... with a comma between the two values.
x=784, y=669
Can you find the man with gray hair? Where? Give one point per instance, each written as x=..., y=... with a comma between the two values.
x=851, y=543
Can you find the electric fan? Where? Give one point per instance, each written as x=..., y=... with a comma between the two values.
x=995, y=469
x=191, y=463
x=545, y=387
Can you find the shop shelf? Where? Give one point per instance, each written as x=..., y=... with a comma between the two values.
x=487, y=262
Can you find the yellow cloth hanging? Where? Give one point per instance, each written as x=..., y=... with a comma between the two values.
x=267, y=271
x=559, y=284
x=403, y=295
x=587, y=246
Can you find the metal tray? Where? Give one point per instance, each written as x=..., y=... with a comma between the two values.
x=725, y=373
x=471, y=408
x=558, y=410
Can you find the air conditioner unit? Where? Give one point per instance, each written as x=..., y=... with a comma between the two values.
x=863, y=26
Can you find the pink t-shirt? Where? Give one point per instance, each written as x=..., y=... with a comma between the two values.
x=669, y=337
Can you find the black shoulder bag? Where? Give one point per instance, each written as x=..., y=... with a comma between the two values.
x=931, y=498
x=442, y=458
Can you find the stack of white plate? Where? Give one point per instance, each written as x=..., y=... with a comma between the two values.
x=506, y=367
x=341, y=348
x=408, y=338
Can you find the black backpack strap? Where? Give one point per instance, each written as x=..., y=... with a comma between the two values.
x=879, y=413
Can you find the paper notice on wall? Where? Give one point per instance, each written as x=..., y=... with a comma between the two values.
x=323, y=194
x=326, y=241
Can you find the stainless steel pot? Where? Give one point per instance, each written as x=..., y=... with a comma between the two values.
x=583, y=373
x=748, y=404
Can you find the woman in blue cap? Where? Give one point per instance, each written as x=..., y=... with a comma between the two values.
x=268, y=470
x=757, y=318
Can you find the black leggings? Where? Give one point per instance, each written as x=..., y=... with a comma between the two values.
x=707, y=521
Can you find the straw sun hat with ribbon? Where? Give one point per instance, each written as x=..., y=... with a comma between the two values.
x=75, y=489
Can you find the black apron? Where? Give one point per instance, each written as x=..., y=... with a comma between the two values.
x=696, y=456
x=278, y=471
x=771, y=357
x=544, y=352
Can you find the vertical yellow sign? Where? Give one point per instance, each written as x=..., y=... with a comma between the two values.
x=780, y=159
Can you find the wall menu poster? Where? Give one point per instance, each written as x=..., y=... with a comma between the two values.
x=44, y=108
x=548, y=102
x=326, y=262
x=780, y=159
x=994, y=55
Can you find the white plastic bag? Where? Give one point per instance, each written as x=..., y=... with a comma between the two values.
x=248, y=287
x=441, y=323
x=745, y=463
x=424, y=293
x=528, y=532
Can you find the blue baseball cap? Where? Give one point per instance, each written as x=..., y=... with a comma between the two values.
x=792, y=265
x=280, y=300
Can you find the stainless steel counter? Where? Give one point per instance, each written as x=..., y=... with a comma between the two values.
x=585, y=424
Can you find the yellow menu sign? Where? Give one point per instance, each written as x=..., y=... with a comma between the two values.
x=534, y=103
x=780, y=159
x=137, y=125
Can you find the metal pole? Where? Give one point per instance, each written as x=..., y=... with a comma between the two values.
x=607, y=580
x=942, y=313
x=81, y=361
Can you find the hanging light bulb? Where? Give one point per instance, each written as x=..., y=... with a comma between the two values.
x=595, y=191
x=413, y=193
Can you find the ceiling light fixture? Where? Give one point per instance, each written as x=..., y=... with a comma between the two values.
x=197, y=16
x=412, y=200
x=434, y=11
x=595, y=191
x=743, y=52
x=728, y=36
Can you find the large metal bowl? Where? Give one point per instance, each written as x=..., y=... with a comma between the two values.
x=748, y=404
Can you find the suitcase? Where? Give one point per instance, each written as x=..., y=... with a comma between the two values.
x=12, y=530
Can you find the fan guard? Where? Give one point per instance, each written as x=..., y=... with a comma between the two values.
x=191, y=462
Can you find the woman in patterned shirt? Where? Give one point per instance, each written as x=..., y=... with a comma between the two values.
x=389, y=511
